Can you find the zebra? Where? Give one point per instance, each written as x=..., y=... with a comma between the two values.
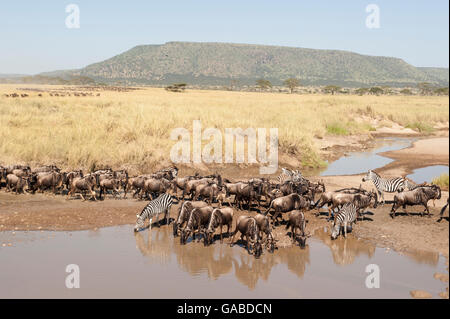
x=382, y=185
x=410, y=185
x=159, y=205
x=171, y=171
x=346, y=216
x=289, y=175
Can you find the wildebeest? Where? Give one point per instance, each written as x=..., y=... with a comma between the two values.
x=184, y=212
x=198, y=221
x=248, y=227
x=265, y=227
x=158, y=186
x=288, y=203
x=47, y=180
x=111, y=184
x=46, y=168
x=219, y=218
x=297, y=220
x=191, y=185
x=248, y=193
x=16, y=183
x=418, y=196
x=86, y=183
x=208, y=192
x=137, y=183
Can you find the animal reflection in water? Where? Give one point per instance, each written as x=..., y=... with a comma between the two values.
x=217, y=260
x=345, y=251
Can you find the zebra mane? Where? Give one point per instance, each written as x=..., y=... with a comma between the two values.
x=375, y=173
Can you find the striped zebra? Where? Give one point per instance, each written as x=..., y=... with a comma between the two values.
x=410, y=185
x=346, y=216
x=172, y=171
x=289, y=175
x=382, y=185
x=159, y=205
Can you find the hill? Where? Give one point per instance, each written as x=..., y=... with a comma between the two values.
x=219, y=63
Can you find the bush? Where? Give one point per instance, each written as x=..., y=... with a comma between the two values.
x=421, y=127
x=441, y=181
x=336, y=128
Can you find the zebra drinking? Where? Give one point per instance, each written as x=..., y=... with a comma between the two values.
x=382, y=185
x=154, y=208
x=346, y=216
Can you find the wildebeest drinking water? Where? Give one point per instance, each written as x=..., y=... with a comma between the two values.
x=219, y=218
x=184, y=213
x=248, y=227
x=297, y=220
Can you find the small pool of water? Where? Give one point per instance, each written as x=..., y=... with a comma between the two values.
x=361, y=162
x=427, y=174
x=116, y=263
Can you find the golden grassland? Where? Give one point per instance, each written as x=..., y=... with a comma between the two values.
x=132, y=129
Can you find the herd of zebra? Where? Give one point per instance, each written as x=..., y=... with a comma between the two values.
x=291, y=193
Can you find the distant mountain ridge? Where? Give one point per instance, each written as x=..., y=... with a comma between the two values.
x=219, y=63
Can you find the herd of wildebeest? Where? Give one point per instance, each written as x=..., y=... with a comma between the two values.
x=208, y=202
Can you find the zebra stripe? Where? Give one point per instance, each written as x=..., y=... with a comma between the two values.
x=382, y=185
x=346, y=216
x=289, y=175
x=159, y=205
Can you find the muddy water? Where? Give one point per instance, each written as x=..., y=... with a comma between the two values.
x=116, y=263
x=427, y=174
x=361, y=162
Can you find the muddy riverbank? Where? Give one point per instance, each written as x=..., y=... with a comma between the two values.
x=420, y=239
x=56, y=213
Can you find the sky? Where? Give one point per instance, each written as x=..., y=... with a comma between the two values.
x=35, y=38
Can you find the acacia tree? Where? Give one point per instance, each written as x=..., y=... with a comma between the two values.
x=292, y=83
x=425, y=88
x=362, y=91
x=263, y=84
x=406, y=92
x=376, y=90
x=331, y=89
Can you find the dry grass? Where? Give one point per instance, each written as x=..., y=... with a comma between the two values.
x=441, y=181
x=132, y=129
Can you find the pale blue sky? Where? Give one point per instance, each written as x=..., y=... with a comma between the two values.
x=34, y=38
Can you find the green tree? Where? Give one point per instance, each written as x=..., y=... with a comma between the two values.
x=425, y=88
x=331, y=89
x=376, y=90
x=263, y=84
x=292, y=83
x=406, y=92
x=362, y=91
x=441, y=91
